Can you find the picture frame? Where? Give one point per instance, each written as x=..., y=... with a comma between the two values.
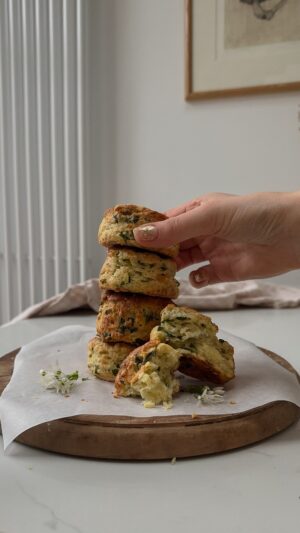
x=224, y=58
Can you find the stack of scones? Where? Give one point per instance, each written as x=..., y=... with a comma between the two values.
x=142, y=336
x=135, y=286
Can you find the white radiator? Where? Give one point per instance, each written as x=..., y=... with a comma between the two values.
x=43, y=114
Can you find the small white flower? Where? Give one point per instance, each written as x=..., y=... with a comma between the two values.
x=211, y=395
x=59, y=381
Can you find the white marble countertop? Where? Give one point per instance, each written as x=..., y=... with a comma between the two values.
x=254, y=489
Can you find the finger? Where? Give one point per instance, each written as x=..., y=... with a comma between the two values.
x=191, y=204
x=203, y=276
x=189, y=257
x=183, y=208
x=190, y=243
x=204, y=241
x=201, y=221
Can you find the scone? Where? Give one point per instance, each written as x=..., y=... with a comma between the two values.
x=119, y=221
x=148, y=372
x=204, y=356
x=125, y=317
x=104, y=359
x=128, y=270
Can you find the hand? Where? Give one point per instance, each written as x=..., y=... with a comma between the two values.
x=242, y=237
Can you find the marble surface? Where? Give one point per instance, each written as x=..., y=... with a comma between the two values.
x=254, y=489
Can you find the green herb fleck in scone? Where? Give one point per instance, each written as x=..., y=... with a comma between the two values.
x=125, y=317
x=104, y=359
x=128, y=270
x=148, y=372
x=204, y=356
x=118, y=223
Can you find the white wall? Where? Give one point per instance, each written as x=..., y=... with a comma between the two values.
x=159, y=150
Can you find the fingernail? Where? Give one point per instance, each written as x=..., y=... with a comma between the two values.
x=200, y=279
x=146, y=233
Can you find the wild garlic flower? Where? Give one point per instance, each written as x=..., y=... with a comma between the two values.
x=59, y=381
x=211, y=395
x=207, y=395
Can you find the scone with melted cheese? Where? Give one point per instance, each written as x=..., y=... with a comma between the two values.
x=148, y=372
x=118, y=223
x=125, y=317
x=204, y=356
x=104, y=359
x=128, y=270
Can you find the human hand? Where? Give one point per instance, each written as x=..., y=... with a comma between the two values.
x=242, y=237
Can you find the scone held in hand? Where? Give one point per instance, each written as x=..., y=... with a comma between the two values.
x=118, y=223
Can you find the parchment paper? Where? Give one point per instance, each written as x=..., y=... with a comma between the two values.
x=24, y=403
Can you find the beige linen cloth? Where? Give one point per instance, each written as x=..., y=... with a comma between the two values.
x=220, y=296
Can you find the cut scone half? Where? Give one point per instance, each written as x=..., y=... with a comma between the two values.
x=204, y=356
x=148, y=372
x=126, y=317
x=104, y=359
x=129, y=270
x=118, y=223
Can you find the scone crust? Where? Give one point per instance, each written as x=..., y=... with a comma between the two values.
x=200, y=368
x=129, y=367
x=125, y=317
x=118, y=223
x=104, y=359
x=204, y=322
x=129, y=270
x=148, y=372
x=204, y=356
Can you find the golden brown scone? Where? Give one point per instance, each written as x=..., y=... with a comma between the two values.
x=104, y=359
x=128, y=270
x=125, y=317
x=119, y=221
x=148, y=372
x=204, y=356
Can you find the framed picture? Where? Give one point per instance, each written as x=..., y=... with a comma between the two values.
x=235, y=47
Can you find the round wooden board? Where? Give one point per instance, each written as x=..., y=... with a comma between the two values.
x=124, y=437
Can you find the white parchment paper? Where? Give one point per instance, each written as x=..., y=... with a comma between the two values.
x=24, y=403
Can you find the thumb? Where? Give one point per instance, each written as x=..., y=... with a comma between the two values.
x=201, y=221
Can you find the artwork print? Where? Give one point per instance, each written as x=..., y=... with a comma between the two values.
x=238, y=47
x=258, y=22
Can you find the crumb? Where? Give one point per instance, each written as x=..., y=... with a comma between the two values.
x=83, y=400
x=173, y=461
x=67, y=395
x=194, y=415
x=232, y=402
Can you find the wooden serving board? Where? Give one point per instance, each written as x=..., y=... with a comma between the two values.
x=125, y=437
